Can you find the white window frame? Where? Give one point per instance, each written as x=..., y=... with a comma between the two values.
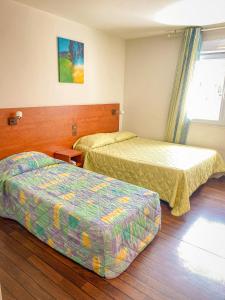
x=221, y=121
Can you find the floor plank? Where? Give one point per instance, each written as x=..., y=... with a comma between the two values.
x=185, y=261
x=6, y=295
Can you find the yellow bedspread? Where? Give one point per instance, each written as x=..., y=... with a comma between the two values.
x=174, y=171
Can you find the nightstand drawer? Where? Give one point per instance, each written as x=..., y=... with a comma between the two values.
x=70, y=156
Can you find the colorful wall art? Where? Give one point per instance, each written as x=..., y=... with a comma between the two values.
x=71, y=61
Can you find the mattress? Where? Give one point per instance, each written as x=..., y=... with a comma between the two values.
x=173, y=171
x=97, y=221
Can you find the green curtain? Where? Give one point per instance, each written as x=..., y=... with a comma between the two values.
x=178, y=122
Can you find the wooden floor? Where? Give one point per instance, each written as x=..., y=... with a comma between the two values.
x=185, y=261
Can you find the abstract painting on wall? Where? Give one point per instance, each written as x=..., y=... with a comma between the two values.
x=71, y=61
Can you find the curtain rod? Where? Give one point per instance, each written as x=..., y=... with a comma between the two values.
x=177, y=31
x=213, y=28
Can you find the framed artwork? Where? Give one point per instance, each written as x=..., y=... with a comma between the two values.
x=70, y=61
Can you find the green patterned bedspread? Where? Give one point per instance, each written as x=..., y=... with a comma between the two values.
x=99, y=222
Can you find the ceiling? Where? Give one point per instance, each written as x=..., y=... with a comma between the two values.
x=135, y=18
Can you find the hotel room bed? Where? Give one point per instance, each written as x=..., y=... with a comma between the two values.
x=174, y=171
x=99, y=222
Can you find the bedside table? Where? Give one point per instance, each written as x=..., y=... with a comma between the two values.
x=70, y=156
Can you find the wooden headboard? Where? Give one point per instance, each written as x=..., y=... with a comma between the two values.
x=48, y=129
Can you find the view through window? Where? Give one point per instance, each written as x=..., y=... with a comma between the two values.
x=206, y=92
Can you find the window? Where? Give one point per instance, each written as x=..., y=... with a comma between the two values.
x=206, y=95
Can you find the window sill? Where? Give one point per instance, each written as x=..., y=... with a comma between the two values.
x=208, y=123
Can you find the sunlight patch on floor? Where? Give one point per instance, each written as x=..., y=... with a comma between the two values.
x=208, y=235
x=208, y=259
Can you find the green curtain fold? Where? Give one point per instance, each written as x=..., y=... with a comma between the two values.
x=178, y=122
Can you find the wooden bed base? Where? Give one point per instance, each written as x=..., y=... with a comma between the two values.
x=48, y=129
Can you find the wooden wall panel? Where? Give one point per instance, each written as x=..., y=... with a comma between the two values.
x=48, y=129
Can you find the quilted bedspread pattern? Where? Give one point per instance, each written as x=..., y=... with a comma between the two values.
x=174, y=171
x=99, y=222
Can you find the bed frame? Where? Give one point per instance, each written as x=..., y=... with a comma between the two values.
x=49, y=129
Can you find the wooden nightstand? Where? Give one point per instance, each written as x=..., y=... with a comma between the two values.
x=70, y=156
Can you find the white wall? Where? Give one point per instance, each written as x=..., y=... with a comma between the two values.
x=207, y=135
x=28, y=60
x=149, y=75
